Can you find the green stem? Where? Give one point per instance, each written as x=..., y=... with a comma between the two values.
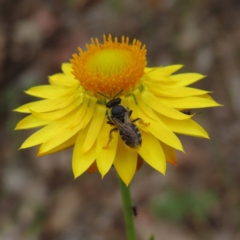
x=127, y=207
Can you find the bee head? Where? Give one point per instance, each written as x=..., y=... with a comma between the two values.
x=113, y=102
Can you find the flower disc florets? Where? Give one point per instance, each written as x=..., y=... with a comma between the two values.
x=110, y=67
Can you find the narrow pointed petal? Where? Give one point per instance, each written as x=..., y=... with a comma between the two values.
x=82, y=113
x=64, y=134
x=105, y=156
x=160, y=72
x=67, y=69
x=184, y=79
x=140, y=104
x=190, y=102
x=50, y=91
x=66, y=145
x=125, y=163
x=47, y=105
x=52, y=129
x=164, y=134
x=81, y=162
x=156, y=127
x=95, y=127
x=163, y=90
x=151, y=151
x=89, y=114
x=148, y=69
x=40, y=136
x=60, y=112
x=187, y=127
x=31, y=122
x=156, y=104
x=62, y=80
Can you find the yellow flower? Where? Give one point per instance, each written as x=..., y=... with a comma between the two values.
x=73, y=111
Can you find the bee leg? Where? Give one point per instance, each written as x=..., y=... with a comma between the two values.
x=130, y=113
x=140, y=121
x=110, y=137
x=110, y=121
x=136, y=119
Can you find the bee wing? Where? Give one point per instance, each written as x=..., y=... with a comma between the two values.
x=128, y=132
x=127, y=118
x=119, y=123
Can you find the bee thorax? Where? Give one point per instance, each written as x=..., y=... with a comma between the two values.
x=118, y=112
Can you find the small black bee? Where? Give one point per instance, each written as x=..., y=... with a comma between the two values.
x=120, y=117
x=187, y=111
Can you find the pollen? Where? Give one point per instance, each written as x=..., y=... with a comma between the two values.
x=110, y=67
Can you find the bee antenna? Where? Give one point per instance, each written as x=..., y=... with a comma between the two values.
x=118, y=93
x=113, y=97
x=103, y=95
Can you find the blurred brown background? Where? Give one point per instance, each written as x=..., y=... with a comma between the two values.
x=197, y=199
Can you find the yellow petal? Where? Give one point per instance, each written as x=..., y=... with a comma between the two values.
x=40, y=136
x=170, y=153
x=163, y=90
x=52, y=129
x=31, y=122
x=62, y=80
x=147, y=69
x=82, y=161
x=151, y=151
x=156, y=104
x=164, y=134
x=168, y=70
x=156, y=127
x=125, y=163
x=89, y=114
x=95, y=126
x=184, y=79
x=160, y=72
x=59, y=138
x=68, y=144
x=186, y=127
x=64, y=133
x=47, y=105
x=50, y=91
x=140, y=103
x=201, y=101
x=105, y=156
x=67, y=69
x=59, y=113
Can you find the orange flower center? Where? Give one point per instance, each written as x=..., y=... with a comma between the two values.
x=110, y=67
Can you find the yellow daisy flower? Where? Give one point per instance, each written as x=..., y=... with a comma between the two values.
x=73, y=111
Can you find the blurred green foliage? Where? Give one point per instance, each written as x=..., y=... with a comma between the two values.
x=152, y=237
x=179, y=206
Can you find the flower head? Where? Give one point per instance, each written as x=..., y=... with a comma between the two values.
x=73, y=111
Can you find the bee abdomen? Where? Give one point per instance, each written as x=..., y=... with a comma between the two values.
x=131, y=137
